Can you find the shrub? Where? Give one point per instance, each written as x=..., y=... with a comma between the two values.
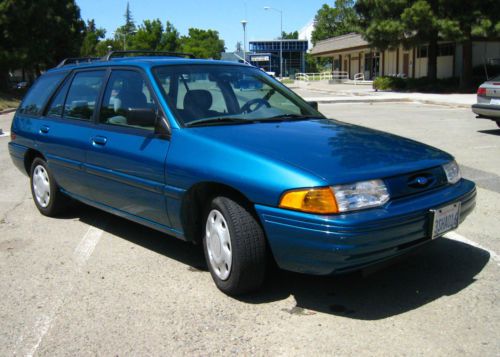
x=416, y=84
x=389, y=83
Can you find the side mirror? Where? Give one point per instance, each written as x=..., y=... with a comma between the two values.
x=313, y=104
x=141, y=117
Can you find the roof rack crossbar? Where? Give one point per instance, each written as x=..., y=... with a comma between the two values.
x=77, y=60
x=112, y=54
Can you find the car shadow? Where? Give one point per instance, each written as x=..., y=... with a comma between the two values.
x=443, y=267
x=490, y=131
x=171, y=247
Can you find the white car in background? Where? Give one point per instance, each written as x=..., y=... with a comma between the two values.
x=488, y=100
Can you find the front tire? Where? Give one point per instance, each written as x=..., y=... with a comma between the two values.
x=235, y=247
x=49, y=200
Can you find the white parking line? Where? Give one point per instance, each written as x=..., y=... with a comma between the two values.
x=485, y=147
x=86, y=247
x=28, y=344
x=455, y=236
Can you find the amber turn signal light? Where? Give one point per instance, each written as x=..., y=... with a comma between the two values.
x=311, y=200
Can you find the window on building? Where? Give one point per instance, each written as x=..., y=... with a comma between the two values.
x=422, y=52
x=446, y=49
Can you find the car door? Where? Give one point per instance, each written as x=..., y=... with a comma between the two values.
x=126, y=155
x=65, y=127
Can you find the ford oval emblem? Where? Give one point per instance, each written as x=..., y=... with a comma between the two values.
x=422, y=181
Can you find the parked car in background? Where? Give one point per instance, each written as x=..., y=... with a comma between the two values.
x=256, y=174
x=488, y=100
x=22, y=85
x=19, y=85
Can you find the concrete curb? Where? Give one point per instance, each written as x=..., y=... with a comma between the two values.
x=448, y=104
x=343, y=101
x=7, y=111
x=391, y=100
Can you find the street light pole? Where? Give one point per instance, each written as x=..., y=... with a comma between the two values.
x=281, y=37
x=244, y=23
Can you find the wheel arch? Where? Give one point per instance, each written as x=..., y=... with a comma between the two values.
x=194, y=203
x=29, y=157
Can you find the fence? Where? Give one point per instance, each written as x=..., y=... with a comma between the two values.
x=341, y=76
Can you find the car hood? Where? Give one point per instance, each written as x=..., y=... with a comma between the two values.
x=334, y=151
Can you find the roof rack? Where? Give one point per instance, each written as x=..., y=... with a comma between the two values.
x=112, y=54
x=77, y=61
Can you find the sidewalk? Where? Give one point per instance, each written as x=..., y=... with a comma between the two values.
x=322, y=92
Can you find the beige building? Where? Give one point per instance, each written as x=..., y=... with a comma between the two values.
x=351, y=53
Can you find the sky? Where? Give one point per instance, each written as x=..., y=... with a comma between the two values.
x=220, y=15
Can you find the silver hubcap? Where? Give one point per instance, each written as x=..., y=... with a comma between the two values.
x=41, y=186
x=218, y=244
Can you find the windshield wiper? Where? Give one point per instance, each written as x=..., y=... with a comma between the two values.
x=290, y=117
x=219, y=120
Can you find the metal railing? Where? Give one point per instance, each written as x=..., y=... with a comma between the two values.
x=359, y=78
x=335, y=75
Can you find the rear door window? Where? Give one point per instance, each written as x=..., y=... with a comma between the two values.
x=83, y=95
x=35, y=100
x=128, y=101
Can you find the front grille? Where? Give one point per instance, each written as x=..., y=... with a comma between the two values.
x=416, y=182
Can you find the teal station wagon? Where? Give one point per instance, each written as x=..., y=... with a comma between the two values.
x=224, y=155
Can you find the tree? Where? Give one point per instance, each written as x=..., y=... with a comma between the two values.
x=203, y=43
x=290, y=36
x=170, y=40
x=468, y=20
x=390, y=23
x=335, y=21
x=148, y=36
x=410, y=23
x=125, y=33
x=38, y=34
x=92, y=37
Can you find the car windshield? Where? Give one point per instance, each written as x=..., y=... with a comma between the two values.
x=228, y=94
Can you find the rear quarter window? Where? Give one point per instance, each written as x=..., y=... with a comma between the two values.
x=43, y=88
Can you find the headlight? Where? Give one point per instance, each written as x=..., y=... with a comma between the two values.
x=337, y=199
x=361, y=195
x=452, y=172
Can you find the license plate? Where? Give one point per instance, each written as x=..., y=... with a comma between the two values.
x=495, y=101
x=445, y=219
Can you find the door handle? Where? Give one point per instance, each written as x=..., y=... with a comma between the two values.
x=99, y=140
x=44, y=129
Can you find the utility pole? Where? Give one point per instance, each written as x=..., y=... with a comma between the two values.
x=281, y=37
x=244, y=23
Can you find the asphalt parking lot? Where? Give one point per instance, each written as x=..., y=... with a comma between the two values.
x=89, y=283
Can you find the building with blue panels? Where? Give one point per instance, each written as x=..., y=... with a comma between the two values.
x=266, y=55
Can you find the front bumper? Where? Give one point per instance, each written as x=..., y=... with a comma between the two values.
x=323, y=245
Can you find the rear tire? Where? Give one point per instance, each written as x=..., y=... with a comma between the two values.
x=49, y=200
x=234, y=246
